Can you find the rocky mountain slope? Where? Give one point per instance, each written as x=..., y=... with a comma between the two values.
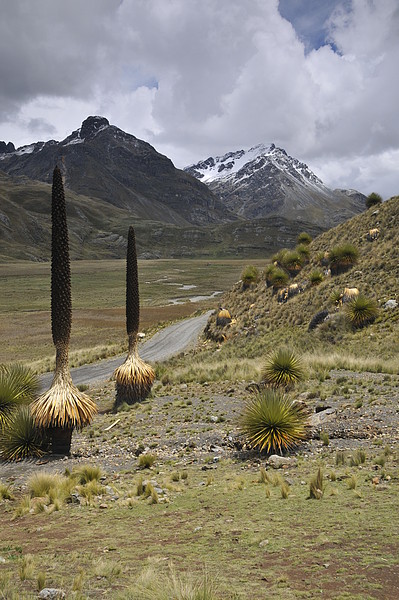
x=264, y=181
x=101, y=161
x=262, y=323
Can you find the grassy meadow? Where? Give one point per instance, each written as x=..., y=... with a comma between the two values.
x=98, y=299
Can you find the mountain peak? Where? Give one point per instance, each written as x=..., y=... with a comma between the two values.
x=92, y=125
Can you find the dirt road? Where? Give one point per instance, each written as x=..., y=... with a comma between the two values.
x=161, y=346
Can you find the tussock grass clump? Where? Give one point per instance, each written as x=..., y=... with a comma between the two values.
x=249, y=276
x=304, y=238
x=146, y=460
x=361, y=311
x=155, y=585
x=271, y=421
x=292, y=262
x=21, y=438
x=279, y=279
x=85, y=473
x=342, y=258
x=40, y=484
x=5, y=492
x=315, y=277
x=316, y=486
x=282, y=368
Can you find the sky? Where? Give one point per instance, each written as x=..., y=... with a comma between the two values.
x=199, y=78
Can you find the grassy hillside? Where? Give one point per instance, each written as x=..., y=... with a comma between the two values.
x=98, y=229
x=262, y=324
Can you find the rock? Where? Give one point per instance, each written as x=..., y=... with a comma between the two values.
x=321, y=417
x=51, y=594
x=263, y=543
x=214, y=419
x=103, y=505
x=2, y=560
x=277, y=462
x=390, y=304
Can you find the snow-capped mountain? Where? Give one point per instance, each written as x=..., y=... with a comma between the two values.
x=264, y=180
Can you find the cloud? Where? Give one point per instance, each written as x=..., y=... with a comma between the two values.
x=199, y=77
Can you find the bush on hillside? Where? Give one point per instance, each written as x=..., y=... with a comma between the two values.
x=361, y=311
x=279, y=279
x=342, y=258
x=315, y=277
x=304, y=238
x=373, y=199
x=249, y=276
x=292, y=262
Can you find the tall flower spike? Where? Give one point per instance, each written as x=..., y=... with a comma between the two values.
x=133, y=379
x=63, y=407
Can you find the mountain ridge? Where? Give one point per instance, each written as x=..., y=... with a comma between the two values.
x=264, y=180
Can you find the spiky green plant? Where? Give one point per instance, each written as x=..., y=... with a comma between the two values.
x=282, y=369
x=361, y=311
x=279, y=279
x=303, y=251
x=21, y=438
x=373, y=199
x=304, y=238
x=315, y=277
x=249, y=276
x=292, y=262
x=18, y=385
x=134, y=378
x=268, y=274
x=271, y=421
x=63, y=407
x=342, y=258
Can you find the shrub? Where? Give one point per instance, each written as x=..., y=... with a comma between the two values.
x=342, y=258
x=249, y=276
x=317, y=319
x=292, y=262
x=21, y=438
x=304, y=238
x=41, y=484
x=361, y=311
x=315, y=277
x=272, y=422
x=268, y=274
x=304, y=252
x=373, y=199
x=282, y=368
x=279, y=279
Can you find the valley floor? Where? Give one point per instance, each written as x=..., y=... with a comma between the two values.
x=215, y=505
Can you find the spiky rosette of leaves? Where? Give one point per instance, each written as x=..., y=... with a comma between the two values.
x=361, y=311
x=279, y=279
x=63, y=406
x=304, y=238
x=271, y=421
x=21, y=438
x=134, y=378
x=342, y=258
x=249, y=276
x=316, y=277
x=282, y=369
x=61, y=304
x=292, y=262
x=18, y=385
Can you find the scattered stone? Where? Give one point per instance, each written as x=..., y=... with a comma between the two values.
x=321, y=417
x=52, y=594
x=390, y=304
x=103, y=505
x=278, y=462
x=2, y=560
x=214, y=419
x=263, y=543
x=197, y=529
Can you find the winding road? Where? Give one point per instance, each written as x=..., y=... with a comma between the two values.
x=164, y=344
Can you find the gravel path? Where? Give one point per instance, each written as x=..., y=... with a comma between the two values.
x=163, y=345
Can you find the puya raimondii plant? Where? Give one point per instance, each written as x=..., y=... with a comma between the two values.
x=63, y=407
x=134, y=378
